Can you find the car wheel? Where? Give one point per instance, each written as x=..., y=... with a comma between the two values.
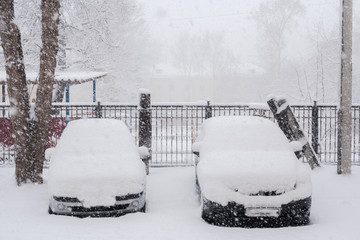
x=300, y=221
x=206, y=216
x=50, y=211
x=197, y=188
x=143, y=209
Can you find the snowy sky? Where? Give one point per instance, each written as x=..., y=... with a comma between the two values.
x=231, y=18
x=166, y=19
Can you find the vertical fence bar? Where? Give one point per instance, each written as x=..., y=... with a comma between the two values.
x=357, y=133
x=161, y=134
x=171, y=134
x=157, y=137
x=353, y=135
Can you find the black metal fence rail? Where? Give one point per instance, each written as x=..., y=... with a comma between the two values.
x=127, y=113
x=175, y=127
x=7, y=149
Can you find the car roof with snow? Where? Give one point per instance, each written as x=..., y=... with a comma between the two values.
x=96, y=136
x=249, y=133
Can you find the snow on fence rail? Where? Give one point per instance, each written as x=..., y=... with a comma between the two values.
x=175, y=127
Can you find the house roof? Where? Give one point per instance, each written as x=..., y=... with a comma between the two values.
x=61, y=77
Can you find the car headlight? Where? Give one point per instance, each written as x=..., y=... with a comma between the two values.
x=61, y=206
x=135, y=203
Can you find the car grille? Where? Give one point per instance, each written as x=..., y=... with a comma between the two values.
x=66, y=199
x=128, y=197
x=100, y=208
x=118, y=198
x=267, y=193
x=264, y=193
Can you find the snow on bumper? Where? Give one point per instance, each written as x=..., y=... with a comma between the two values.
x=221, y=194
x=74, y=207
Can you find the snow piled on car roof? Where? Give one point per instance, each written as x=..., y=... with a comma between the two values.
x=94, y=161
x=245, y=133
x=243, y=156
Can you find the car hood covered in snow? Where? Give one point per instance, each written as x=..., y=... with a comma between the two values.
x=94, y=161
x=250, y=172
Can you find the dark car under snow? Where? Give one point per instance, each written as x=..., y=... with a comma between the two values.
x=249, y=176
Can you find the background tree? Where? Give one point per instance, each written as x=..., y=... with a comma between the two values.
x=317, y=70
x=188, y=55
x=110, y=36
x=275, y=18
x=204, y=54
x=31, y=126
x=95, y=35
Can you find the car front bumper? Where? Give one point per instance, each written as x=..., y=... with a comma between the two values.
x=71, y=207
x=295, y=213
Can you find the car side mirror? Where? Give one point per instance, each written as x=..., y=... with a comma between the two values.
x=144, y=152
x=49, y=153
x=196, y=148
x=297, y=147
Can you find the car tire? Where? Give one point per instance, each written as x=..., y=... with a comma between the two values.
x=301, y=221
x=197, y=189
x=143, y=209
x=50, y=211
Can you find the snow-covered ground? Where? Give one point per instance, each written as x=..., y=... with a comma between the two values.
x=174, y=213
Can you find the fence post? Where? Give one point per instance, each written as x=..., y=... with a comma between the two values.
x=145, y=125
x=98, y=112
x=315, y=127
x=208, y=110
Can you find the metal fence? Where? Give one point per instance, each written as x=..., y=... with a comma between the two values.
x=175, y=127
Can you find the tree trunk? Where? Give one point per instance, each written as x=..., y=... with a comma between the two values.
x=60, y=87
x=50, y=45
x=17, y=88
x=31, y=134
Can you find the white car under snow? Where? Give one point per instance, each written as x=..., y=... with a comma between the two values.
x=249, y=176
x=96, y=170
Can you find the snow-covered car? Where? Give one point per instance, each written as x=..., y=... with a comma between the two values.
x=96, y=170
x=249, y=176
